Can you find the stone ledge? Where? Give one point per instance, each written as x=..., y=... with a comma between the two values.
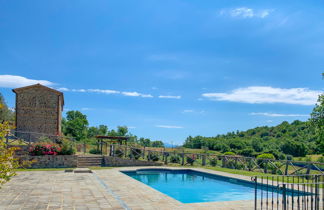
x=51, y=161
x=116, y=162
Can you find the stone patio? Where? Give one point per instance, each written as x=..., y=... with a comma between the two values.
x=102, y=189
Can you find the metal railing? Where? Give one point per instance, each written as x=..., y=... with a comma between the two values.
x=289, y=192
x=27, y=138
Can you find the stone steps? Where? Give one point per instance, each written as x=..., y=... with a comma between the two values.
x=87, y=161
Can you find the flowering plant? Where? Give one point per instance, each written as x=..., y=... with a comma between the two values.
x=44, y=149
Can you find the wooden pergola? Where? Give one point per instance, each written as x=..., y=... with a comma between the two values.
x=111, y=139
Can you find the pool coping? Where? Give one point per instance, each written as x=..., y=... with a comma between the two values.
x=166, y=200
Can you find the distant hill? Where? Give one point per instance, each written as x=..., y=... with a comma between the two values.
x=286, y=139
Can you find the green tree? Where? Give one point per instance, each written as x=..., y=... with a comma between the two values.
x=5, y=113
x=102, y=130
x=122, y=130
x=317, y=120
x=76, y=125
x=92, y=132
x=294, y=148
x=145, y=142
x=157, y=144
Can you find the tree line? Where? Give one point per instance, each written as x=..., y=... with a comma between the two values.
x=286, y=139
x=76, y=125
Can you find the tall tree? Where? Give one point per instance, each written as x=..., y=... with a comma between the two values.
x=76, y=125
x=122, y=130
x=5, y=113
x=317, y=120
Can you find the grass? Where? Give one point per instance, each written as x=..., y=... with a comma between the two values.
x=314, y=158
x=252, y=173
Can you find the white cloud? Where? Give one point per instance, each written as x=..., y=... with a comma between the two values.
x=266, y=95
x=13, y=81
x=278, y=115
x=188, y=111
x=168, y=126
x=245, y=12
x=269, y=121
x=106, y=91
x=136, y=94
x=168, y=96
x=63, y=89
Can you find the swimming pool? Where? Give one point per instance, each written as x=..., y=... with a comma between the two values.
x=190, y=186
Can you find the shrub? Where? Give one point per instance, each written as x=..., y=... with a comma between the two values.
x=152, y=156
x=135, y=153
x=282, y=157
x=213, y=161
x=67, y=148
x=231, y=163
x=266, y=156
x=119, y=153
x=274, y=168
x=39, y=149
x=175, y=159
x=191, y=159
x=95, y=151
x=8, y=163
x=289, y=157
x=229, y=153
x=248, y=152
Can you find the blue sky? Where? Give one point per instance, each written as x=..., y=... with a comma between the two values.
x=171, y=68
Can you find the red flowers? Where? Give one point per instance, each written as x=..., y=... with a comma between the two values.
x=39, y=149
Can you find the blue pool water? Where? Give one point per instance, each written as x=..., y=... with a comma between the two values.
x=188, y=186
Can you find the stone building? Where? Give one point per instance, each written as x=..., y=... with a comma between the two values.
x=39, y=109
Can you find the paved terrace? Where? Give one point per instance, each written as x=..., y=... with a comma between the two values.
x=103, y=189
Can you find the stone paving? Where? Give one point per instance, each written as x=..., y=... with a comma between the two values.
x=103, y=189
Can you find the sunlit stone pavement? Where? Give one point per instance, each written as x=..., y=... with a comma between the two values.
x=103, y=189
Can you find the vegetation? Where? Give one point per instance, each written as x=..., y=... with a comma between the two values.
x=175, y=159
x=135, y=153
x=297, y=139
x=317, y=120
x=8, y=163
x=76, y=125
x=94, y=151
x=283, y=141
x=152, y=156
x=190, y=159
x=5, y=113
x=44, y=149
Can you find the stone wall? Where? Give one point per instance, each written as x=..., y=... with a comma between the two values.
x=52, y=161
x=116, y=161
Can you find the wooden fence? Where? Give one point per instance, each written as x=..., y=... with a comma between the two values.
x=268, y=166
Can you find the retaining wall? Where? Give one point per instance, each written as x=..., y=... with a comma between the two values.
x=116, y=161
x=52, y=161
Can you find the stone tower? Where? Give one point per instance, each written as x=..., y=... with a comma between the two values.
x=39, y=109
